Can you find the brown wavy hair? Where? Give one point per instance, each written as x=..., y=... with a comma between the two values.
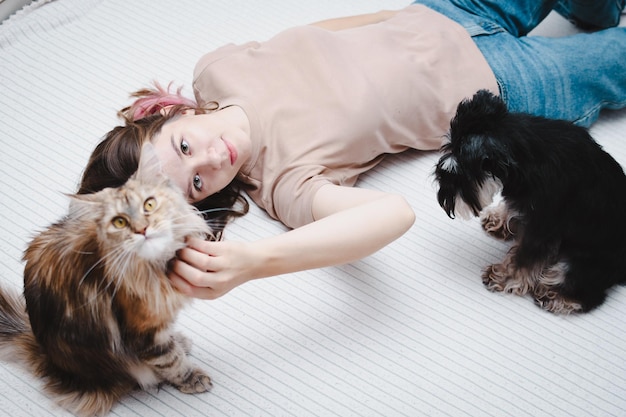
x=116, y=158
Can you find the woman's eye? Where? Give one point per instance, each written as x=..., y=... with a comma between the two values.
x=119, y=222
x=197, y=182
x=149, y=205
x=184, y=146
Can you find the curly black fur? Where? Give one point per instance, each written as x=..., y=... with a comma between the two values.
x=565, y=195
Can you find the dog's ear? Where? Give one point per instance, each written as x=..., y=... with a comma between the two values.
x=478, y=130
x=484, y=104
x=478, y=115
x=488, y=104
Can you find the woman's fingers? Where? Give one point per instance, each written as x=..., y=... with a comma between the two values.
x=186, y=287
x=191, y=272
x=180, y=284
x=200, y=260
x=204, y=246
x=206, y=269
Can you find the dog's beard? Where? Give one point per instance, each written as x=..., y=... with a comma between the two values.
x=485, y=193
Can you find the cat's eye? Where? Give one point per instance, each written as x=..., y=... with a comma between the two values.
x=119, y=222
x=197, y=182
x=184, y=146
x=149, y=205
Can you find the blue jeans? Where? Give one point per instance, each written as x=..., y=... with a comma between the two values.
x=570, y=78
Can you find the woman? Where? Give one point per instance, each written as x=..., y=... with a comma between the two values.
x=296, y=119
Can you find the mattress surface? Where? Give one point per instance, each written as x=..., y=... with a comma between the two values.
x=407, y=331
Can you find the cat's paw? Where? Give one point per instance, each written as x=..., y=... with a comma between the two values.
x=196, y=382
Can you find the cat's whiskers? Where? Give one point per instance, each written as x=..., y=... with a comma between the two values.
x=186, y=215
x=187, y=228
x=82, y=252
x=120, y=260
x=101, y=260
x=212, y=210
x=113, y=253
x=120, y=267
x=193, y=231
x=216, y=225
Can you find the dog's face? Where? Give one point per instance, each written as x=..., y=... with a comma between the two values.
x=474, y=163
x=467, y=182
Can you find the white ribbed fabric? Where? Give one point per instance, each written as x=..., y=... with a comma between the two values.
x=408, y=331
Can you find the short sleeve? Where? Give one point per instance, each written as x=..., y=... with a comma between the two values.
x=292, y=198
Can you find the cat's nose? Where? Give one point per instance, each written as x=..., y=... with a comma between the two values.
x=141, y=229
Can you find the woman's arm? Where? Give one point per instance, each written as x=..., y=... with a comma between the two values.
x=352, y=223
x=341, y=23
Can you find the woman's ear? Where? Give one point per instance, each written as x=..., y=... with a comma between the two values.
x=165, y=110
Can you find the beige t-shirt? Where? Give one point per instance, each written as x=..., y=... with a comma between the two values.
x=326, y=106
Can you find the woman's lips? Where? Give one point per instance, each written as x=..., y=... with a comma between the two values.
x=232, y=152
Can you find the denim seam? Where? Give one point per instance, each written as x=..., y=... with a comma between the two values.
x=604, y=104
x=502, y=90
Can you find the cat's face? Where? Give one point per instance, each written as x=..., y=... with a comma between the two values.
x=147, y=217
x=147, y=220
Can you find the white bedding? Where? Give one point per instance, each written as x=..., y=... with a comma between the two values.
x=408, y=331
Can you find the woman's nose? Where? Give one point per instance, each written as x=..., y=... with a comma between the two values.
x=213, y=159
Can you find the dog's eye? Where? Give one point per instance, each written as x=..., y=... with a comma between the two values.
x=486, y=165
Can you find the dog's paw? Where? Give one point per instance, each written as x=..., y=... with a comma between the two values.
x=554, y=303
x=494, y=278
x=495, y=220
x=500, y=278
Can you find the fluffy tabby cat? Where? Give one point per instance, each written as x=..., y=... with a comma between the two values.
x=95, y=320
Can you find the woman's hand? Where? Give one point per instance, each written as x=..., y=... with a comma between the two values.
x=209, y=270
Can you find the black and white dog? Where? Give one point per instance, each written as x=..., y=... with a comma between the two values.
x=563, y=202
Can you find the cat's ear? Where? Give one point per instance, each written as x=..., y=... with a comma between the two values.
x=79, y=203
x=149, y=165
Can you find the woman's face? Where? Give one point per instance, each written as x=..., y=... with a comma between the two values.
x=202, y=153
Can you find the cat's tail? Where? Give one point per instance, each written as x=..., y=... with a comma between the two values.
x=17, y=341
x=19, y=345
